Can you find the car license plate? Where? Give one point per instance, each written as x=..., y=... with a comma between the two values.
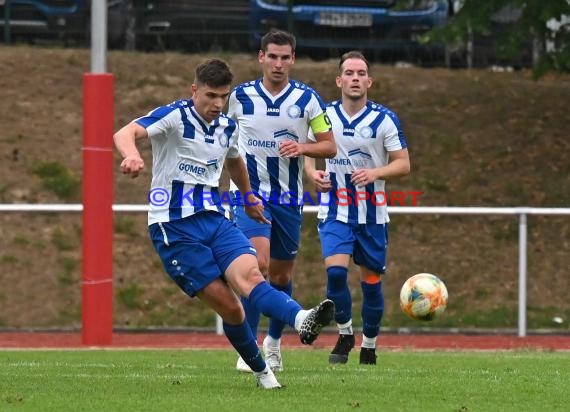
x=345, y=19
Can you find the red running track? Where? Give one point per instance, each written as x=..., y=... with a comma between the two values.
x=205, y=340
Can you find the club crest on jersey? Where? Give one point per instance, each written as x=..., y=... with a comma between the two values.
x=294, y=111
x=224, y=140
x=365, y=132
x=273, y=111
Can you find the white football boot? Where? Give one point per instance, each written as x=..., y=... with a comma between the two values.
x=273, y=355
x=242, y=366
x=266, y=379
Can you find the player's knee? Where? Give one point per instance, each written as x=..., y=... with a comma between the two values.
x=253, y=276
x=247, y=280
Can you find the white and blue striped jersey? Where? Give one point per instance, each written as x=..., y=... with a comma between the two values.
x=363, y=142
x=264, y=120
x=188, y=155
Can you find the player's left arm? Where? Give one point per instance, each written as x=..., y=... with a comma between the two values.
x=325, y=146
x=398, y=165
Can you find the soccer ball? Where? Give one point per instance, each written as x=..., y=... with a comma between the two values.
x=423, y=297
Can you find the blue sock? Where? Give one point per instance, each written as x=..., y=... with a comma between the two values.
x=338, y=292
x=372, y=308
x=242, y=340
x=274, y=304
x=276, y=326
x=252, y=316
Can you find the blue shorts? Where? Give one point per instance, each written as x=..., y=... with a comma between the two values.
x=367, y=243
x=284, y=232
x=198, y=249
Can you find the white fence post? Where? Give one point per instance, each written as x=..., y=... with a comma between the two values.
x=219, y=325
x=522, y=274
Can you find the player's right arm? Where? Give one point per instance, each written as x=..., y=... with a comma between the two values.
x=125, y=142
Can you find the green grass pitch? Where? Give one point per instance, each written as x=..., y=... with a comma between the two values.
x=205, y=380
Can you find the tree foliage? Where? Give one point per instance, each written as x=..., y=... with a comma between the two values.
x=522, y=21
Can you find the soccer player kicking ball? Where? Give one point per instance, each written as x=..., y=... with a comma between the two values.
x=371, y=148
x=201, y=249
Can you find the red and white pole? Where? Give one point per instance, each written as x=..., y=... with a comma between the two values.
x=98, y=124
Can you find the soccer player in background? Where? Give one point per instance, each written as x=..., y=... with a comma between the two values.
x=353, y=214
x=201, y=249
x=275, y=115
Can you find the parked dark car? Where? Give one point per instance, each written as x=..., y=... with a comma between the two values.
x=65, y=20
x=349, y=24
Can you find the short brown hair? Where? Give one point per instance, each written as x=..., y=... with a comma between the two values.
x=353, y=54
x=214, y=73
x=278, y=37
